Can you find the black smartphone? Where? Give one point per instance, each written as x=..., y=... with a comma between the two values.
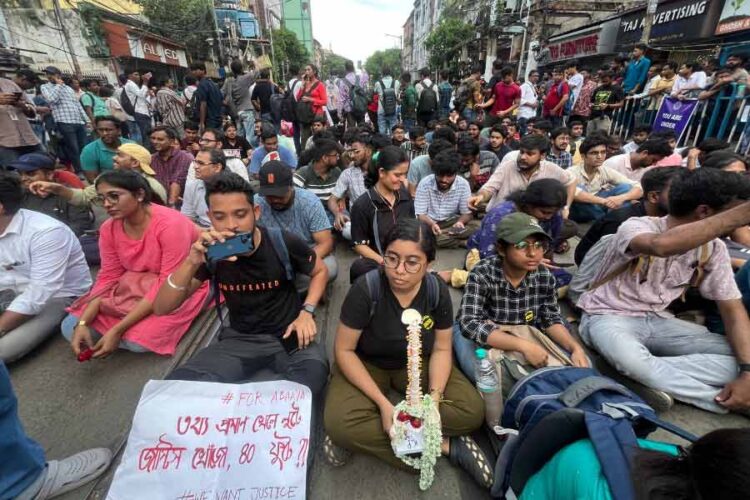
x=290, y=343
x=236, y=245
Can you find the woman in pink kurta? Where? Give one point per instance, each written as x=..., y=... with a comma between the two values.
x=139, y=237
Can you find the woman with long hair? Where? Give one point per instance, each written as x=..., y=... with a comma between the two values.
x=140, y=244
x=314, y=93
x=386, y=201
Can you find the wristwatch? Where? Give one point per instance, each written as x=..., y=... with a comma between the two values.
x=309, y=308
x=81, y=323
x=744, y=367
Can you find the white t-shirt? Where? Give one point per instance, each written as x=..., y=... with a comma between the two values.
x=137, y=97
x=575, y=83
x=528, y=96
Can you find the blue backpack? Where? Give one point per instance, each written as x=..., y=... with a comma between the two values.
x=556, y=406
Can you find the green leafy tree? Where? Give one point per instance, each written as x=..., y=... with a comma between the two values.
x=288, y=51
x=332, y=64
x=382, y=58
x=445, y=41
x=189, y=21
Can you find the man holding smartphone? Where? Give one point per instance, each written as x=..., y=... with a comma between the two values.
x=16, y=135
x=271, y=328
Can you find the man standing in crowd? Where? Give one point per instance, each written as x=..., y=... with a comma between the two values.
x=442, y=202
x=16, y=135
x=607, y=98
x=346, y=93
x=408, y=102
x=137, y=91
x=558, y=153
x=691, y=80
x=207, y=101
x=505, y=98
x=575, y=81
x=236, y=92
x=97, y=157
x=44, y=270
x=599, y=188
x=445, y=92
x=427, y=98
x=581, y=110
x=93, y=105
x=473, y=90
x=557, y=96
x=70, y=119
x=529, y=102
x=634, y=165
x=169, y=162
x=171, y=107
x=635, y=74
x=299, y=211
x=387, y=89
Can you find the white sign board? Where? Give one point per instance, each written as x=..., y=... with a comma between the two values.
x=210, y=441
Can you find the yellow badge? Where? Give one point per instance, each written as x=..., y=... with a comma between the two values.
x=529, y=316
x=427, y=322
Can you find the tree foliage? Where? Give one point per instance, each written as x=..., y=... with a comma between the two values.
x=288, y=51
x=190, y=22
x=332, y=64
x=390, y=58
x=445, y=41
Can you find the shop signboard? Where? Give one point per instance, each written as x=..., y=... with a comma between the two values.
x=673, y=21
x=575, y=47
x=734, y=17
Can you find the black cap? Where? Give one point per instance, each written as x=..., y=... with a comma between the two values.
x=276, y=177
x=52, y=70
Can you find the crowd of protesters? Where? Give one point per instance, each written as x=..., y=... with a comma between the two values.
x=141, y=179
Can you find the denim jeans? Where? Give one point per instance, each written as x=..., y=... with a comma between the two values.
x=246, y=124
x=23, y=459
x=73, y=141
x=70, y=322
x=587, y=212
x=386, y=123
x=469, y=114
x=680, y=358
x=408, y=124
x=464, y=350
x=144, y=126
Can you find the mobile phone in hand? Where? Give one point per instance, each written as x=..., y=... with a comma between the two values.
x=236, y=245
x=290, y=343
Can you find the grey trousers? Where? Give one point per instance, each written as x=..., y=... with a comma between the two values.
x=18, y=342
x=302, y=281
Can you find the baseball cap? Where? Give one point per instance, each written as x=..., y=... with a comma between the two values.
x=52, y=70
x=32, y=161
x=139, y=153
x=275, y=178
x=518, y=226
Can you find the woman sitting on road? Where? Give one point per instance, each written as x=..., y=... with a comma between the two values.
x=386, y=201
x=140, y=245
x=371, y=358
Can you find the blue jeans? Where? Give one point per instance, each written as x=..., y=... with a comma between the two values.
x=386, y=123
x=73, y=141
x=144, y=126
x=668, y=354
x=463, y=349
x=469, y=114
x=587, y=212
x=408, y=124
x=70, y=322
x=23, y=459
x=246, y=124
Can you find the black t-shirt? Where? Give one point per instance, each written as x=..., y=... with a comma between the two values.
x=239, y=150
x=209, y=93
x=383, y=340
x=262, y=92
x=606, y=94
x=607, y=225
x=259, y=297
x=363, y=210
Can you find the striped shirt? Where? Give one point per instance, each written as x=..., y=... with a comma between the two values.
x=64, y=104
x=351, y=184
x=307, y=178
x=412, y=150
x=442, y=205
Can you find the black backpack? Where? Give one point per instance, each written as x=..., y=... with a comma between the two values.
x=289, y=103
x=389, y=98
x=428, y=99
x=127, y=105
x=358, y=97
x=305, y=113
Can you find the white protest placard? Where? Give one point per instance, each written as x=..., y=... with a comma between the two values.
x=211, y=441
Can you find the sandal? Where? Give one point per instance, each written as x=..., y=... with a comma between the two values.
x=73, y=472
x=336, y=456
x=465, y=453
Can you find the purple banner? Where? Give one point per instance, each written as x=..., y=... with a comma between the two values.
x=674, y=115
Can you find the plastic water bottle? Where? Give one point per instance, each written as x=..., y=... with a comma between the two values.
x=488, y=384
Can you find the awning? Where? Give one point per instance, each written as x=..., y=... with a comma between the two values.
x=127, y=41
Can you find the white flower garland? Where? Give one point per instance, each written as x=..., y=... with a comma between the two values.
x=417, y=410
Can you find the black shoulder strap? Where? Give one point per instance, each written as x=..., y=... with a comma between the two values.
x=433, y=291
x=373, y=289
x=279, y=246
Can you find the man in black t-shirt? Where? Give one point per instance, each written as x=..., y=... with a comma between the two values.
x=208, y=99
x=271, y=328
x=606, y=99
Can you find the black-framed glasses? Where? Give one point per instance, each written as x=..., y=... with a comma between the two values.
x=205, y=139
x=204, y=163
x=536, y=245
x=393, y=261
x=112, y=197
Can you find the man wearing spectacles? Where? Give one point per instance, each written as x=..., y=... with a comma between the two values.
x=510, y=301
x=208, y=163
x=213, y=138
x=599, y=188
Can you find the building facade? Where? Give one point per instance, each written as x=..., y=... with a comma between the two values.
x=297, y=19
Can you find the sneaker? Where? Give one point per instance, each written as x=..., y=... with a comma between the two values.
x=336, y=456
x=73, y=472
x=660, y=401
x=466, y=453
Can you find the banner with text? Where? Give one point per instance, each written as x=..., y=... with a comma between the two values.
x=675, y=115
x=210, y=441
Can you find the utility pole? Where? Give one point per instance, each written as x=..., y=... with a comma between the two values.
x=648, y=21
x=74, y=59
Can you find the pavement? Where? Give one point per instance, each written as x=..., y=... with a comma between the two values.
x=69, y=406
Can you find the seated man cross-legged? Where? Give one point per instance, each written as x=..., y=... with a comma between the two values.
x=649, y=263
